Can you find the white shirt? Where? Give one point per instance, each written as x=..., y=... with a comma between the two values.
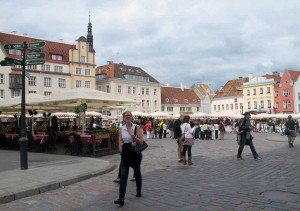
x=187, y=130
x=126, y=137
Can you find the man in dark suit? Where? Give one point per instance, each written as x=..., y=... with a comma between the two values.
x=245, y=128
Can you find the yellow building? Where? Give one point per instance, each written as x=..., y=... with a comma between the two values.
x=82, y=62
x=258, y=94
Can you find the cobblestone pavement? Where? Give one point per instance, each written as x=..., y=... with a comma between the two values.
x=216, y=181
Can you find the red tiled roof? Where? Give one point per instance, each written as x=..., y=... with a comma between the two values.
x=49, y=49
x=175, y=95
x=294, y=74
x=231, y=88
x=114, y=70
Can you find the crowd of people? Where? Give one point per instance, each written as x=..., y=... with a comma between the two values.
x=184, y=131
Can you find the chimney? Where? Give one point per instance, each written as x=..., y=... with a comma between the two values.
x=110, y=62
x=275, y=73
x=25, y=34
x=181, y=87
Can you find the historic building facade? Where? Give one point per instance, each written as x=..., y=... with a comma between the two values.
x=131, y=82
x=176, y=100
x=205, y=94
x=66, y=66
x=229, y=99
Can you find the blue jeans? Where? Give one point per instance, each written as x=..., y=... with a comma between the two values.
x=124, y=178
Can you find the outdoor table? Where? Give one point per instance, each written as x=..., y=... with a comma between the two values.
x=41, y=137
x=11, y=135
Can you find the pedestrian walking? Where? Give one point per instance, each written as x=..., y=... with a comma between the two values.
x=290, y=131
x=188, y=142
x=177, y=135
x=129, y=135
x=246, y=138
x=222, y=129
x=147, y=128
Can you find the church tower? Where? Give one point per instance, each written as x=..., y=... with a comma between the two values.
x=90, y=36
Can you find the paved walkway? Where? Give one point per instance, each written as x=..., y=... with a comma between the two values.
x=216, y=181
x=46, y=172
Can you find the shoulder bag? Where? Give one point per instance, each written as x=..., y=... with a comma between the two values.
x=138, y=148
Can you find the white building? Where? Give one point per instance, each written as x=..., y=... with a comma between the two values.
x=130, y=82
x=229, y=99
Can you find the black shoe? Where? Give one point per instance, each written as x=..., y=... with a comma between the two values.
x=117, y=181
x=119, y=202
x=240, y=158
x=139, y=194
x=258, y=158
x=292, y=145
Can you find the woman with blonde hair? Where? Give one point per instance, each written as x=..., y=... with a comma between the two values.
x=130, y=135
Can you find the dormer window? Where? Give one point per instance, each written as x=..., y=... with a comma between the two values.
x=56, y=57
x=167, y=100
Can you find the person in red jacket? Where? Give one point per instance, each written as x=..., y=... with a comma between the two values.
x=147, y=128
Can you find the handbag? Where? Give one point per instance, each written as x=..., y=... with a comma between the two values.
x=138, y=148
x=182, y=137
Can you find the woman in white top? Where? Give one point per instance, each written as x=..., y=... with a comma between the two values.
x=129, y=135
x=189, y=140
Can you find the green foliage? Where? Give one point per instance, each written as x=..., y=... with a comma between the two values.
x=80, y=108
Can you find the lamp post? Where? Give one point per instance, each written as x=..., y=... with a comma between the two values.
x=23, y=138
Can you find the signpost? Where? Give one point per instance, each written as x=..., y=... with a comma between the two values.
x=35, y=57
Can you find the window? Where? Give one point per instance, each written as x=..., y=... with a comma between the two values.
x=286, y=104
x=155, y=103
x=276, y=105
x=198, y=109
x=162, y=108
x=1, y=78
x=87, y=84
x=298, y=95
x=268, y=90
x=255, y=104
x=154, y=91
x=215, y=107
x=249, y=105
x=143, y=91
x=46, y=67
x=182, y=109
x=32, y=92
x=276, y=93
x=62, y=83
x=147, y=91
x=241, y=105
x=15, y=93
x=78, y=83
x=227, y=106
x=78, y=71
x=143, y=103
x=129, y=89
x=1, y=93
x=231, y=106
x=47, y=82
x=32, y=81
x=58, y=69
x=236, y=106
x=87, y=72
x=56, y=57
x=298, y=108
x=219, y=107
x=107, y=89
x=188, y=109
x=248, y=92
x=269, y=104
x=261, y=91
x=133, y=90
x=223, y=107
x=148, y=103
x=31, y=67
x=83, y=59
x=47, y=93
x=119, y=89
x=169, y=108
x=286, y=92
x=254, y=91
x=262, y=104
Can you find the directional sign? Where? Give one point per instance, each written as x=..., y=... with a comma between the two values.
x=35, y=56
x=14, y=61
x=36, y=44
x=33, y=62
x=36, y=50
x=14, y=46
x=27, y=74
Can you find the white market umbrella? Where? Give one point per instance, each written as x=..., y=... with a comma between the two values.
x=261, y=116
x=199, y=115
x=65, y=115
x=159, y=115
x=93, y=114
x=139, y=113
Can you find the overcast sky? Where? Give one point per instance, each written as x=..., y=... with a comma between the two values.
x=175, y=41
